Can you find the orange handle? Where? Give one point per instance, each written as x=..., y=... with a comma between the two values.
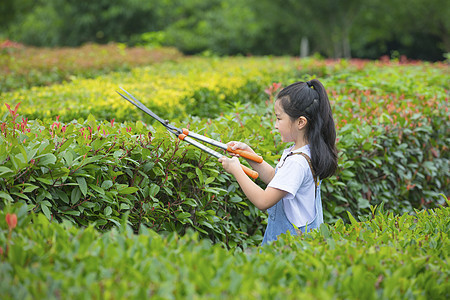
x=247, y=154
x=250, y=172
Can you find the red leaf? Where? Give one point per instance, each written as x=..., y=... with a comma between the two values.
x=11, y=219
x=15, y=109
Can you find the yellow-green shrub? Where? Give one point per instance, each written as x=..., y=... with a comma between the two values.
x=168, y=88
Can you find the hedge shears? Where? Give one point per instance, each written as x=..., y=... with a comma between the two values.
x=188, y=136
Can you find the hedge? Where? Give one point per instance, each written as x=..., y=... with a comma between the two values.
x=24, y=67
x=175, y=89
x=95, y=172
x=385, y=257
x=392, y=137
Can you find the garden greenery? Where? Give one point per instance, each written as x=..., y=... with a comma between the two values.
x=93, y=193
x=385, y=257
x=25, y=67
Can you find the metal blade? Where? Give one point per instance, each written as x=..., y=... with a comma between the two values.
x=142, y=107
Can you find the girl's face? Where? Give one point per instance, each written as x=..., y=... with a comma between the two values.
x=283, y=124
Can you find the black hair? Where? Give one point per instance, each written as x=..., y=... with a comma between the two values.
x=310, y=100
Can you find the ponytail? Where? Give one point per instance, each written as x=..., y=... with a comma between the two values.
x=310, y=100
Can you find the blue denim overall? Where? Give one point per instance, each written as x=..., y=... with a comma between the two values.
x=278, y=223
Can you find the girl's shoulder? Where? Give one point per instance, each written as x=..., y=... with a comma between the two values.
x=289, y=152
x=300, y=156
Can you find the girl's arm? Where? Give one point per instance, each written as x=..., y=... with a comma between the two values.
x=265, y=171
x=262, y=199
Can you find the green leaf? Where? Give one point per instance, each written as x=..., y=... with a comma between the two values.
x=24, y=154
x=97, y=188
x=363, y=203
x=75, y=195
x=107, y=184
x=205, y=223
x=199, y=175
x=324, y=231
x=32, y=152
x=6, y=196
x=44, y=180
x=71, y=212
x=63, y=196
x=5, y=170
x=183, y=215
x=20, y=195
x=352, y=219
x=88, y=204
x=68, y=157
x=82, y=184
x=148, y=166
x=47, y=159
x=66, y=144
x=97, y=144
x=114, y=221
x=128, y=190
x=154, y=190
x=199, y=229
x=235, y=199
x=124, y=206
x=189, y=201
x=214, y=190
x=209, y=180
x=117, y=154
x=46, y=211
x=107, y=211
x=29, y=188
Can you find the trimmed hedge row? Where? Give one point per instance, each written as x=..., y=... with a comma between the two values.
x=194, y=86
x=97, y=172
x=392, y=137
x=386, y=257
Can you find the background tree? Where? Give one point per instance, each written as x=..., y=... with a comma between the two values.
x=418, y=29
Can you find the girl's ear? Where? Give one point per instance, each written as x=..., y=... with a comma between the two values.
x=301, y=122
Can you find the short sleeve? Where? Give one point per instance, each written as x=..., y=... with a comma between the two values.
x=290, y=176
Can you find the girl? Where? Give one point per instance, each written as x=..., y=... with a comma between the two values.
x=292, y=197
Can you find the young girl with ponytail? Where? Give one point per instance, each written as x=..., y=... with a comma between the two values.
x=292, y=197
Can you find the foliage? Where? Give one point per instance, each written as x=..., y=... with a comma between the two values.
x=73, y=23
x=25, y=67
x=93, y=172
x=365, y=29
x=190, y=85
x=403, y=165
x=387, y=256
x=392, y=137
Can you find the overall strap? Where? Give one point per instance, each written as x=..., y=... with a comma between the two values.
x=308, y=159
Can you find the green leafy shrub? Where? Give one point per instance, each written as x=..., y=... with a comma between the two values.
x=392, y=137
x=98, y=172
x=197, y=86
x=403, y=167
x=388, y=257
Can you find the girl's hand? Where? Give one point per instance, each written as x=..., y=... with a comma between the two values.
x=231, y=165
x=239, y=145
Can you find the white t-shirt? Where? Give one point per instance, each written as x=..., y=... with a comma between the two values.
x=295, y=177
